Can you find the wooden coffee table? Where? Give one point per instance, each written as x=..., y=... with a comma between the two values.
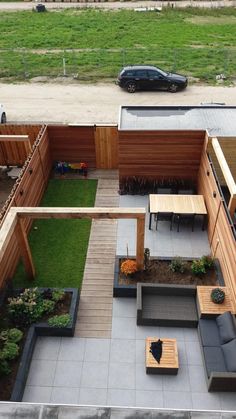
x=169, y=362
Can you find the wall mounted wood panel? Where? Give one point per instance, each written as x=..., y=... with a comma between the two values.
x=106, y=144
x=15, y=153
x=221, y=238
x=72, y=143
x=160, y=154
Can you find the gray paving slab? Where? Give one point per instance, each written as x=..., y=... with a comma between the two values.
x=37, y=394
x=123, y=350
x=182, y=352
x=47, y=348
x=124, y=307
x=117, y=397
x=145, y=381
x=146, y=398
x=41, y=373
x=95, y=375
x=177, y=399
x=179, y=382
x=68, y=395
x=121, y=375
x=123, y=328
x=197, y=378
x=206, y=401
x=97, y=350
x=72, y=349
x=193, y=352
x=95, y=396
x=143, y=332
x=68, y=374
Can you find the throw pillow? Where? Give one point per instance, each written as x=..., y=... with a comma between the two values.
x=229, y=351
x=226, y=326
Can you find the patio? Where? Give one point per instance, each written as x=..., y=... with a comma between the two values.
x=112, y=371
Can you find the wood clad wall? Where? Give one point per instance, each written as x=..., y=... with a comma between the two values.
x=29, y=192
x=72, y=144
x=160, y=154
x=223, y=244
x=15, y=153
x=106, y=145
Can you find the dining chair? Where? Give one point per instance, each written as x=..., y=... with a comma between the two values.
x=188, y=218
x=164, y=216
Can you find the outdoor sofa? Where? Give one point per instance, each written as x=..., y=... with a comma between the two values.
x=166, y=305
x=218, y=343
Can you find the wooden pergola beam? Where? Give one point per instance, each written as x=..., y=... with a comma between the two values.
x=14, y=224
x=226, y=173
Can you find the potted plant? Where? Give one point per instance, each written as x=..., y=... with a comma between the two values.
x=217, y=295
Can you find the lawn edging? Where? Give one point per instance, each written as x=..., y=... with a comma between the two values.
x=130, y=291
x=42, y=329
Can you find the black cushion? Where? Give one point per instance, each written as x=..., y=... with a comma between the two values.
x=227, y=328
x=214, y=359
x=229, y=351
x=209, y=332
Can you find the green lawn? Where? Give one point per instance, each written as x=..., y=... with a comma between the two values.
x=198, y=42
x=59, y=247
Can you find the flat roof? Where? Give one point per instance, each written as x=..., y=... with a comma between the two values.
x=217, y=120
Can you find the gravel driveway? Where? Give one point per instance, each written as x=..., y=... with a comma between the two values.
x=87, y=103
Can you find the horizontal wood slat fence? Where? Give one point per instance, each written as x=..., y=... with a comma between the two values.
x=160, y=154
x=221, y=238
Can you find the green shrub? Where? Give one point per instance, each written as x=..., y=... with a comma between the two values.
x=58, y=295
x=217, y=295
x=27, y=307
x=198, y=267
x=10, y=351
x=4, y=367
x=48, y=306
x=177, y=265
x=60, y=321
x=14, y=335
x=208, y=261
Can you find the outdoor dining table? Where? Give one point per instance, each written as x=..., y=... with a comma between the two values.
x=176, y=204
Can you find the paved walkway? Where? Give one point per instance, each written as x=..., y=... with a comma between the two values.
x=95, y=307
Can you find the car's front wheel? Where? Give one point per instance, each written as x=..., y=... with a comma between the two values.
x=173, y=88
x=3, y=118
x=131, y=87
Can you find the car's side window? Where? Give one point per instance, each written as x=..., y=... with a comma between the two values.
x=154, y=74
x=129, y=73
x=142, y=74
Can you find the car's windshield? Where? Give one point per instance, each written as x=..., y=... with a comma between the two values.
x=163, y=73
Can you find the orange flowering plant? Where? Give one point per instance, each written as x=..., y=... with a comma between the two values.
x=128, y=267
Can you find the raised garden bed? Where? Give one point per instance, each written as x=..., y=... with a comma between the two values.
x=13, y=385
x=159, y=273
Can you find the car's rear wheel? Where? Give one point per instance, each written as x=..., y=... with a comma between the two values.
x=173, y=88
x=3, y=118
x=131, y=87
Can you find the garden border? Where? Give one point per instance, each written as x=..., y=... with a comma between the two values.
x=130, y=291
x=42, y=329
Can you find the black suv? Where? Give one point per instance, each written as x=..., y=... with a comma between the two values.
x=150, y=78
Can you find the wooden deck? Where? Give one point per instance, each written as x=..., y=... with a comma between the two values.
x=95, y=307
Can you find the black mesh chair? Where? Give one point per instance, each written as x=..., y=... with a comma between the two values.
x=185, y=218
x=164, y=216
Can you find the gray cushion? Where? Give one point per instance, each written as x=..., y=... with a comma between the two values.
x=229, y=351
x=227, y=328
x=214, y=359
x=209, y=332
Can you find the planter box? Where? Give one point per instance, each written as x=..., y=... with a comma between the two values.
x=130, y=290
x=42, y=329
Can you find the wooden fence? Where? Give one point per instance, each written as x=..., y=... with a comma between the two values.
x=28, y=191
x=221, y=238
x=160, y=154
x=15, y=153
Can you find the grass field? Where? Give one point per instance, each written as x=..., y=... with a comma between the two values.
x=59, y=247
x=198, y=42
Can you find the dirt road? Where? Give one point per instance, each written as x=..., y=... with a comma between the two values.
x=81, y=103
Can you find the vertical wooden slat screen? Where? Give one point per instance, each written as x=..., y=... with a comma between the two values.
x=160, y=154
x=106, y=144
x=222, y=241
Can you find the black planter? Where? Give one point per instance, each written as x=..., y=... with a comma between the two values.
x=42, y=329
x=130, y=290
